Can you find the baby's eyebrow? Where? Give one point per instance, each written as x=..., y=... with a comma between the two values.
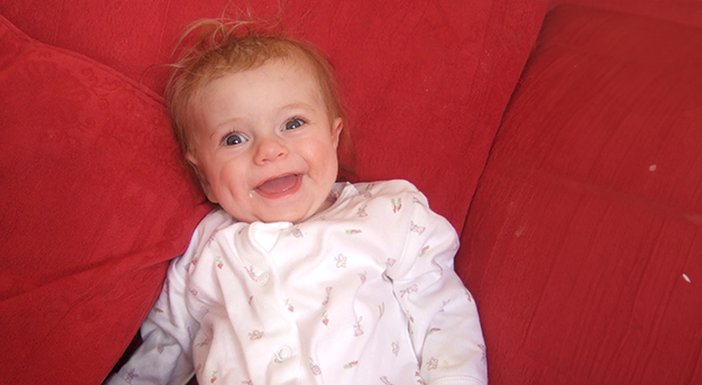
x=296, y=106
x=224, y=125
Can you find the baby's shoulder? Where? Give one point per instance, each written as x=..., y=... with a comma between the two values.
x=213, y=221
x=204, y=232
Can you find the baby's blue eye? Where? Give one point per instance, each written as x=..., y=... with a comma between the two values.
x=233, y=139
x=294, y=123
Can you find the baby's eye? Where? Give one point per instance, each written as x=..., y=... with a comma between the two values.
x=294, y=123
x=233, y=139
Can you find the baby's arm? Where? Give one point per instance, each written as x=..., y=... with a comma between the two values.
x=164, y=357
x=442, y=315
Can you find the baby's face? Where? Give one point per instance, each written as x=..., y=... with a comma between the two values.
x=264, y=144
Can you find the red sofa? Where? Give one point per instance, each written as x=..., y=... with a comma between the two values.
x=563, y=141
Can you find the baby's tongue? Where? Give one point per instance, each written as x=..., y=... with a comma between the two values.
x=278, y=185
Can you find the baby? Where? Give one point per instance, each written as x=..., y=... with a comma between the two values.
x=295, y=278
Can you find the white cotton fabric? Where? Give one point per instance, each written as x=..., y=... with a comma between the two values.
x=362, y=293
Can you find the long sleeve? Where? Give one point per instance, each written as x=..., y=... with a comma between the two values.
x=165, y=356
x=442, y=315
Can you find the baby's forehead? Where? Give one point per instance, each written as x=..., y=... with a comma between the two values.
x=304, y=64
x=289, y=54
x=293, y=75
x=298, y=58
x=297, y=65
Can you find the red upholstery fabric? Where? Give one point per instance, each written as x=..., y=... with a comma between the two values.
x=680, y=11
x=93, y=203
x=584, y=241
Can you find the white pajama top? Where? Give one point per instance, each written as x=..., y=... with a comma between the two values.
x=363, y=293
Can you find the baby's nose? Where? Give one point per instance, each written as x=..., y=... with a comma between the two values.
x=270, y=149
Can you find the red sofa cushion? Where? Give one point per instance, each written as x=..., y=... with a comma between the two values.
x=584, y=240
x=93, y=204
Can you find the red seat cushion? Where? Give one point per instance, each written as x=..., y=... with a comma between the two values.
x=584, y=241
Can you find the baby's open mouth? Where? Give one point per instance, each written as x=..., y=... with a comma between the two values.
x=279, y=186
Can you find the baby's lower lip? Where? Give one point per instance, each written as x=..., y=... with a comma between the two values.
x=280, y=186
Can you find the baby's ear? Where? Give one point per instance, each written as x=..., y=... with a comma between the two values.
x=337, y=128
